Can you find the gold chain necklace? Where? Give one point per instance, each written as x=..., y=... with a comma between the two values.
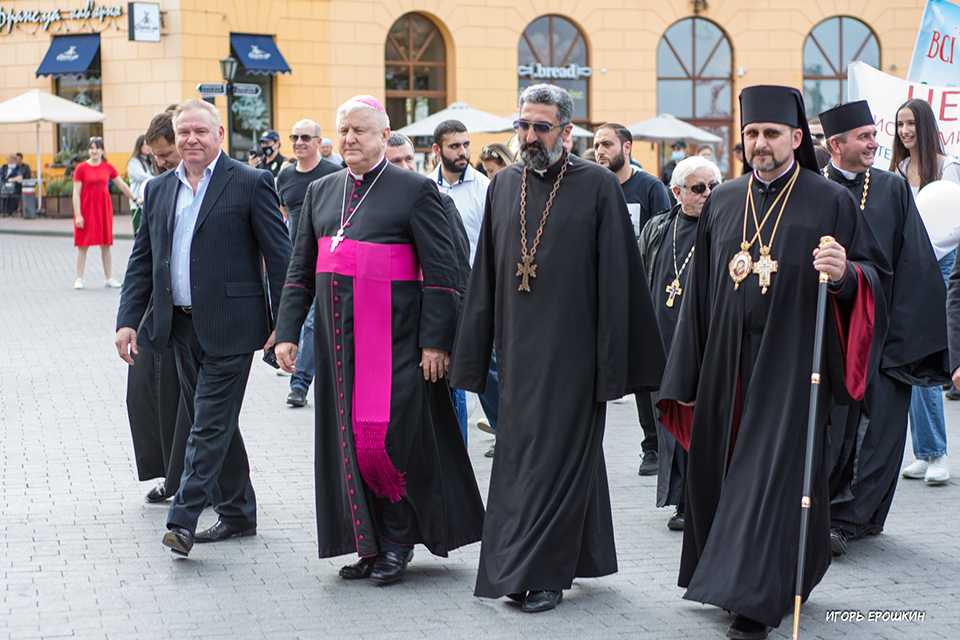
x=742, y=264
x=674, y=289
x=527, y=269
x=866, y=184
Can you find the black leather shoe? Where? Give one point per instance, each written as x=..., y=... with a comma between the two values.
x=491, y=451
x=838, y=541
x=518, y=597
x=743, y=628
x=158, y=493
x=297, y=397
x=648, y=466
x=952, y=394
x=676, y=522
x=390, y=566
x=179, y=540
x=537, y=601
x=359, y=570
x=223, y=531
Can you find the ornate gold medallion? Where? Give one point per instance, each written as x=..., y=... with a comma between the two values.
x=741, y=266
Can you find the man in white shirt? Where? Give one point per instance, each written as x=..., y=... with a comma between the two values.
x=456, y=178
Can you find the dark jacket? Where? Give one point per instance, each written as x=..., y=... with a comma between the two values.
x=651, y=237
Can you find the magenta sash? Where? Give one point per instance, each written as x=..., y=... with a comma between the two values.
x=373, y=267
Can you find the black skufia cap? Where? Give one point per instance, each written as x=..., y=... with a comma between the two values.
x=846, y=117
x=782, y=105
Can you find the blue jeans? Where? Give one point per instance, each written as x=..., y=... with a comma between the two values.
x=460, y=406
x=306, y=363
x=490, y=398
x=927, y=426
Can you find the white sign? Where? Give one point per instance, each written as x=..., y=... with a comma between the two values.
x=537, y=71
x=11, y=18
x=143, y=23
x=885, y=93
x=211, y=89
x=69, y=55
x=252, y=90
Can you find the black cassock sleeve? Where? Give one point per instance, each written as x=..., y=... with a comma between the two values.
x=300, y=286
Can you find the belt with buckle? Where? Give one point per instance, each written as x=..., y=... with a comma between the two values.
x=186, y=310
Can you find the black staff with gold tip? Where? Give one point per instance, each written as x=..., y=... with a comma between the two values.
x=811, y=431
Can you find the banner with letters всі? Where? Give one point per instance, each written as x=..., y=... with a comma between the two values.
x=936, y=56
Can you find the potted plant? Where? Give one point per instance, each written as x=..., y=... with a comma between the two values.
x=58, y=203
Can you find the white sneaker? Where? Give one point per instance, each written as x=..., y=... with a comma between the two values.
x=113, y=283
x=916, y=471
x=78, y=284
x=939, y=470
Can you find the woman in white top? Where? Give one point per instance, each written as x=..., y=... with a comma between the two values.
x=139, y=170
x=918, y=156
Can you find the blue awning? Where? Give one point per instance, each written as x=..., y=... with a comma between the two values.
x=69, y=56
x=258, y=54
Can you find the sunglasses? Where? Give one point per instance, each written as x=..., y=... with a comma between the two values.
x=306, y=137
x=701, y=187
x=818, y=136
x=487, y=153
x=541, y=128
x=96, y=139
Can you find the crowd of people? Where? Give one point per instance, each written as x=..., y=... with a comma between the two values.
x=12, y=176
x=548, y=284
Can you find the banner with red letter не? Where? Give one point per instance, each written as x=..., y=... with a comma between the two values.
x=885, y=93
x=936, y=55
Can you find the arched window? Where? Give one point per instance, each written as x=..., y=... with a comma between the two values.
x=416, y=70
x=552, y=50
x=695, y=80
x=829, y=47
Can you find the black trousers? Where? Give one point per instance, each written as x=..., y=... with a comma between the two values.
x=212, y=389
x=648, y=422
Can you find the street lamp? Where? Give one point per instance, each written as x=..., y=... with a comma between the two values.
x=228, y=69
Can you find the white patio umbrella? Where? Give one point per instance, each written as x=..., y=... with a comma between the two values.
x=578, y=132
x=39, y=106
x=475, y=120
x=667, y=128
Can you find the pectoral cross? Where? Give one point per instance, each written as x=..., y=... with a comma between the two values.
x=337, y=239
x=527, y=270
x=764, y=267
x=674, y=290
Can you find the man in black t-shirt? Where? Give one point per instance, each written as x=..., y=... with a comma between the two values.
x=269, y=158
x=292, y=185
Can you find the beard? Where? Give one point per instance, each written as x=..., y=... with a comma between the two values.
x=769, y=162
x=451, y=165
x=535, y=155
x=616, y=162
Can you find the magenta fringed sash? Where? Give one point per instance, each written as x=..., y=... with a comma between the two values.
x=373, y=267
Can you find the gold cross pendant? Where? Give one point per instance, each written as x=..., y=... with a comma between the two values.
x=527, y=270
x=674, y=290
x=764, y=267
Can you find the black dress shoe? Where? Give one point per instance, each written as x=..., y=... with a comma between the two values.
x=297, y=397
x=158, y=493
x=518, y=597
x=390, y=566
x=648, y=466
x=838, y=541
x=537, y=601
x=223, y=531
x=744, y=628
x=675, y=523
x=179, y=540
x=359, y=570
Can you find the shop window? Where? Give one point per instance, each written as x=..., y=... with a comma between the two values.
x=251, y=115
x=415, y=59
x=695, y=81
x=85, y=90
x=553, y=50
x=829, y=47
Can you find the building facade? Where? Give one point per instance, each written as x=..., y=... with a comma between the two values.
x=622, y=60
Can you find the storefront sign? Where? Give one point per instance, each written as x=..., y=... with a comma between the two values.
x=143, y=22
x=537, y=71
x=10, y=18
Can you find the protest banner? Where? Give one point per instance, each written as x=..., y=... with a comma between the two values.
x=936, y=55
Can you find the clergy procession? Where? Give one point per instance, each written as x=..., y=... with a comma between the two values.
x=775, y=329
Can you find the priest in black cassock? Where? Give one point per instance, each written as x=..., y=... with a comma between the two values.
x=736, y=388
x=867, y=438
x=557, y=285
x=667, y=246
x=374, y=253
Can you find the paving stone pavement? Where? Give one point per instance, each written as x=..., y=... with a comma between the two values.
x=81, y=553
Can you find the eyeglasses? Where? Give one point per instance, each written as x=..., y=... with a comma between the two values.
x=306, y=137
x=540, y=128
x=701, y=187
x=487, y=153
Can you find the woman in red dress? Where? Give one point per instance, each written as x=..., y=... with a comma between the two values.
x=93, y=211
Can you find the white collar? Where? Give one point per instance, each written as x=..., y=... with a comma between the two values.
x=181, y=170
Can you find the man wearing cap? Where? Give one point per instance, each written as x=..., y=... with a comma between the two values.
x=326, y=151
x=867, y=438
x=748, y=323
x=375, y=257
x=269, y=157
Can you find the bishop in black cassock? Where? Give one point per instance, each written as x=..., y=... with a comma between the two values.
x=374, y=253
x=743, y=355
x=584, y=333
x=867, y=438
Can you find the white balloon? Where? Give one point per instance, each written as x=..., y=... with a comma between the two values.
x=939, y=205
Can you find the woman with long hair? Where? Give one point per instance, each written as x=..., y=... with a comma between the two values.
x=494, y=157
x=919, y=156
x=139, y=170
x=93, y=211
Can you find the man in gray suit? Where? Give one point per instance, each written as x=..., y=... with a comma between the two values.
x=207, y=230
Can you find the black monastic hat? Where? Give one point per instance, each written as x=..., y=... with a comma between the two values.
x=846, y=117
x=782, y=105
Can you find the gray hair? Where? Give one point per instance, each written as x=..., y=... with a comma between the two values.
x=688, y=166
x=549, y=94
x=398, y=140
x=308, y=123
x=348, y=107
x=202, y=105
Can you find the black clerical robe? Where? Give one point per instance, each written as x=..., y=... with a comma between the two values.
x=584, y=334
x=439, y=503
x=867, y=438
x=665, y=244
x=745, y=358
